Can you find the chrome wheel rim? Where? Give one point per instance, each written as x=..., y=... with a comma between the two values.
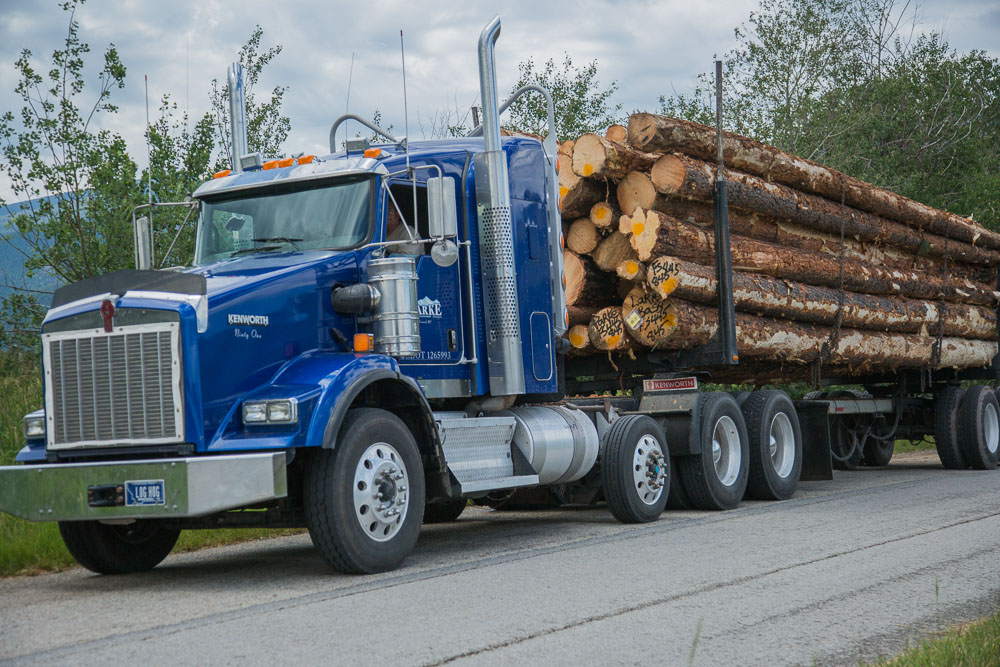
x=782, y=445
x=381, y=496
x=649, y=470
x=991, y=428
x=726, y=453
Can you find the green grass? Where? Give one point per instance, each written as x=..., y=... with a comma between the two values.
x=31, y=548
x=976, y=644
x=927, y=444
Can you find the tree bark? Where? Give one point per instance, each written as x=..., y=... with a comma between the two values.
x=765, y=228
x=654, y=133
x=597, y=157
x=581, y=314
x=676, y=324
x=693, y=179
x=664, y=235
x=669, y=277
x=612, y=250
x=578, y=195
x=586, y=284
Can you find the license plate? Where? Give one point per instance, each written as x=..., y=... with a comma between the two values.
x=144, y=492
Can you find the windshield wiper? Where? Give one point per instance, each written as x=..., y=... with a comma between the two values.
x=277, y=239
x=245, y=251
x=267, y=239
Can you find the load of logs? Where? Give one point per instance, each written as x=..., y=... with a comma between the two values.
x=828, y=271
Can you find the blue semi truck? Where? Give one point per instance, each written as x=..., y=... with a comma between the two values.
x=368, y=340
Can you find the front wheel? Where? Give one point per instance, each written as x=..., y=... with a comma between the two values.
x=118, y=548
x=364, y=499
x=635, y=469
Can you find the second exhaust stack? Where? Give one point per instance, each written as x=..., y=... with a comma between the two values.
x=496, y=236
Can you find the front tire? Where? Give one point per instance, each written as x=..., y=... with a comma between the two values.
x=118, y=548
x=716, y=479
x=635, y=469
x=775, y=440
x=364, y=499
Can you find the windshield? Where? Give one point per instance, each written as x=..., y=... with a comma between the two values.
x=327, y=215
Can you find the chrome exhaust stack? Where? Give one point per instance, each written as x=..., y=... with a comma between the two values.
x=496, y=235
x=237, y=115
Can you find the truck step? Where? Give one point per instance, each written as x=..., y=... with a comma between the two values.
x=478, y=451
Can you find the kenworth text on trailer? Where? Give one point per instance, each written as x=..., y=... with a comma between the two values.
x=369, y=339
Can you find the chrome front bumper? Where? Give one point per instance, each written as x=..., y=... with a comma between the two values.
x=191, y=487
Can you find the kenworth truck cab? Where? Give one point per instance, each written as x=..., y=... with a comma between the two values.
x=365, y=341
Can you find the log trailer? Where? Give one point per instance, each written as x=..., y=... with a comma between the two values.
x=369, y=339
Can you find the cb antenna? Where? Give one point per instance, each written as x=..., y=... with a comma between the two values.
x=149, y=154
x=350, y=78
x=406, y=114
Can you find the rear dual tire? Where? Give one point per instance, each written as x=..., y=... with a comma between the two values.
x=635, y=469
x=775, y=445
x=716, y=478
x=979, y=427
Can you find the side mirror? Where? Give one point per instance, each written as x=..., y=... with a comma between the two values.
x=143, y=244
x=441, y=208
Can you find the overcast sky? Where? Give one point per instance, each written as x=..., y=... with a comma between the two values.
x=648, y=47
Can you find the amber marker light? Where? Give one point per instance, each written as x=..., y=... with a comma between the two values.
x=373, y=152
x=221, y=174
x=364, y=342
x=270, y=164
x=306, y=159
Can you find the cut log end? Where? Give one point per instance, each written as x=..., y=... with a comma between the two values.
x=616, y=133
x=603, y=215
x=631, y=270
x=582, y=237
x=668, y=174
x=636, y=191
x=607, y=331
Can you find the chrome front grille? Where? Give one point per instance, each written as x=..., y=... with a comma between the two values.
x=120, y=388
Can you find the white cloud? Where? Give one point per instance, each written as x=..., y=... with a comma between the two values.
x=648, y=47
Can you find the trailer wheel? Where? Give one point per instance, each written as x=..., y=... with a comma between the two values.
x=775, y=441
x=635, y=469
x=364, y=498
x=118, y=549
x=946, y=405
x=444, y=512
x=878, y=447
x=716, y=479
x=979, y=427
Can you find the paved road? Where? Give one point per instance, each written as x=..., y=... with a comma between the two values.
x=849, y=569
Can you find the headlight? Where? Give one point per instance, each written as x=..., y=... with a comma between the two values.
x=34, y=427
x=277, y=411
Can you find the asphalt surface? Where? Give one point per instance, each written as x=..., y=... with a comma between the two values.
x=848, y=570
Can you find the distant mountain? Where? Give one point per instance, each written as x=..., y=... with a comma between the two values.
x=12, y=260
